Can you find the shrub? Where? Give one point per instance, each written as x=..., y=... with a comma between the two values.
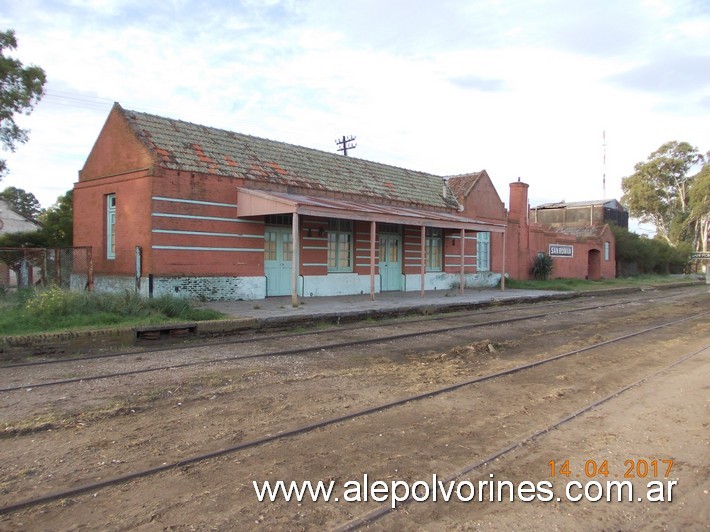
x=542, y=267
x=650, y=255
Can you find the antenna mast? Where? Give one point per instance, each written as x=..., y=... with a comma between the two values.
x=604, y=165
x=346, y=143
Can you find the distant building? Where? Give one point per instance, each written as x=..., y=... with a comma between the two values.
x=581, y=214
x=587, y=252
x=13, y=222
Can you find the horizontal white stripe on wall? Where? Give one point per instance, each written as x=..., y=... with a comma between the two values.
x=315, y=247
x=210, y=218
x=203, y=233
x=195, y=202
x=459, y=256
x=198, y=248
x=313, y=264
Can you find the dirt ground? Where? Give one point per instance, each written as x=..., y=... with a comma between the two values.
x=60, y=437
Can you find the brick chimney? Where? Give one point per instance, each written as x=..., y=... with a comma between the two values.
x=519, y=203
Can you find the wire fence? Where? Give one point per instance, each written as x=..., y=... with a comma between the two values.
x=70, y=268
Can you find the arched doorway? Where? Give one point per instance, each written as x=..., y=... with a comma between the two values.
x=594, y=265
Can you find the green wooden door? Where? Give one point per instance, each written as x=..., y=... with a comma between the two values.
x=278, y=254
x=390, y=262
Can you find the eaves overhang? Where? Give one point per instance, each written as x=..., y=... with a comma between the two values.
x=253, y=202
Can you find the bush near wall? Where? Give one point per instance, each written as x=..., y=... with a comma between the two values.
x=640, y=255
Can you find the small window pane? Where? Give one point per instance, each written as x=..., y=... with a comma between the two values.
x=287, y=246
x=270, y=246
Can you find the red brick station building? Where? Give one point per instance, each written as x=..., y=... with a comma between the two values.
x=170, y=207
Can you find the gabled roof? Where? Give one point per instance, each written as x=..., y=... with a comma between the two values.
x=462, y=184
x=611, y=204
x=12, y=221
x=188, y=147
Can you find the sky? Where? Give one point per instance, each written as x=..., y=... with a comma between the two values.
x=553, y=92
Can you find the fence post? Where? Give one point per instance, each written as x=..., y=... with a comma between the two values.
x=58, y=266
x=138, y=269
x=90, y=280
x=45, y=268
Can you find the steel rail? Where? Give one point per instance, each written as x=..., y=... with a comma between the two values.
x=300, y=350
x=260, y=339
x=381, y=512
x=448, y=316
x=320, y=424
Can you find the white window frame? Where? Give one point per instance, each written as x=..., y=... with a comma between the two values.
x=434, y=249
x=340, y=232
x=483, y=251
x=111, y=226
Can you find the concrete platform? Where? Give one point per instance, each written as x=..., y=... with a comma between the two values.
x=277, y=312
x=280, y=308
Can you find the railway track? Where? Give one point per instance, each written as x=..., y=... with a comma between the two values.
x=362, y=413
x=330, y=330
x=348, y=343
x=379, y=513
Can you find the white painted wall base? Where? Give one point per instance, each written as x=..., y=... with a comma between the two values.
x=250, y=288
x=448, y=281
x=209, y=288
x=203, y=288
x=336, y=284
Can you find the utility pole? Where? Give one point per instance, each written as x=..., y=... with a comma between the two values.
x=346, y=143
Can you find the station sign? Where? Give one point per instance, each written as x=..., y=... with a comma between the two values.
x=700, y=255
x=561, y=250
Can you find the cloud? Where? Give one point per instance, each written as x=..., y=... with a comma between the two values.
x=675, y=75
x=519, y=87
x=472, y=82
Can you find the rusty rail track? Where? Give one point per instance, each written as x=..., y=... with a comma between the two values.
x=370, y=517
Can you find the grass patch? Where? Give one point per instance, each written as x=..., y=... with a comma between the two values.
x=53, y=309
x=581, y=284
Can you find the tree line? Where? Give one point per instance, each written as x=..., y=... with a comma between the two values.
x=55, y=223
x=667, y=191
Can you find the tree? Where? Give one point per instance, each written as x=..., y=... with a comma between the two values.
x=20, y=89
x=57, y=221
x=24, y=203
x=658, y=190
x=699, y=201
x=55, y=231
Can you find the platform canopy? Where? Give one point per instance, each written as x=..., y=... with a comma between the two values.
x=263, y=203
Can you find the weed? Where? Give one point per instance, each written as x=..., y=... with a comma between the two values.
x=51, y=309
